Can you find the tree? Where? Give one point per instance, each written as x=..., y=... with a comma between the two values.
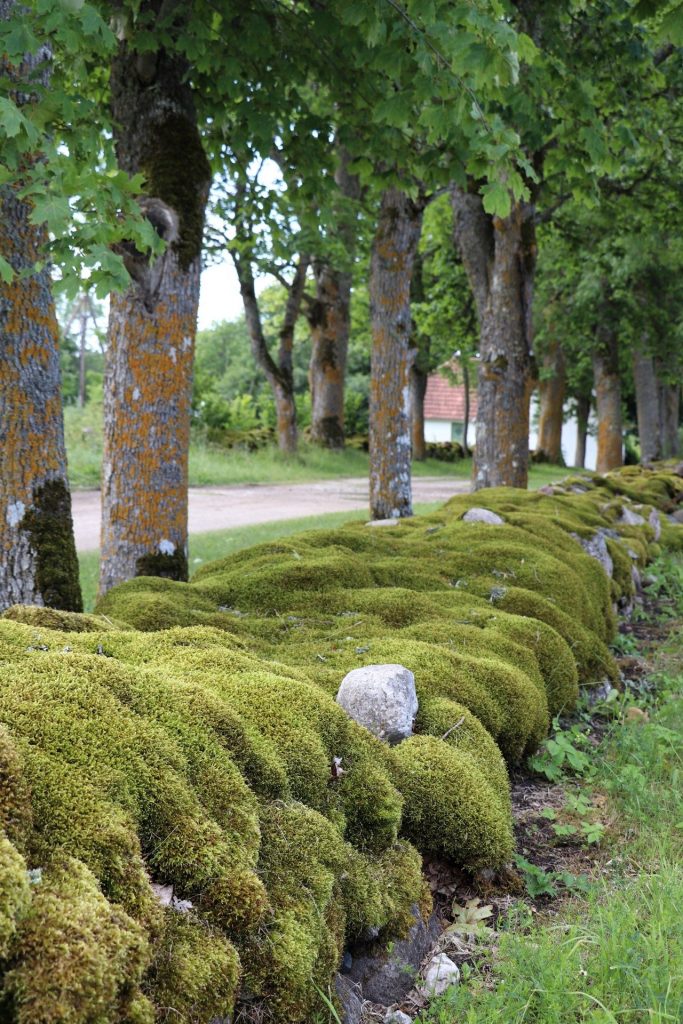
x=592, y=72
x=393, y=253
x=152, y=324
x=328, y=315
x=38, y=563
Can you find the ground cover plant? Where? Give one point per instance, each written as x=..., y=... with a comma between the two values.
x=172, y=805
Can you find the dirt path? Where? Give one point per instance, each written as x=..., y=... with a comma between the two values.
x=219, y=508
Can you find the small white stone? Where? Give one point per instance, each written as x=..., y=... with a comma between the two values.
x=383, y=522
x=397, y=1017
x=166, y=547
x=164, y=893
x=482, y=515
x=653, y=520
x=440, y=974
x=382, y=698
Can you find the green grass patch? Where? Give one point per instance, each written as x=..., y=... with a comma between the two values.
x=614, y=954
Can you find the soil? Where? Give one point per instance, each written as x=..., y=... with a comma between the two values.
x=221, y=508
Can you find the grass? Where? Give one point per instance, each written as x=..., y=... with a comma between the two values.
x=614, y=955
x=215, y=467
x=204, y=547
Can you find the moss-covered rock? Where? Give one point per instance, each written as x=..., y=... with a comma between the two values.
x=186, y=739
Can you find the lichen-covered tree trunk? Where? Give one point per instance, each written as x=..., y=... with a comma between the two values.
x=393, y=251
x=152, y=326
x=669, y=403
x=38, y=563
x=328, y=317
x=499, y=257
x=647, y=406
x=608, y=397
x=552, y=387
x=583, y=411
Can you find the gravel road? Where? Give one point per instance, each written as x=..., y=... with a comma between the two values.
x=219, y=508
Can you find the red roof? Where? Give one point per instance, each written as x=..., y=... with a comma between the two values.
x=446, y=401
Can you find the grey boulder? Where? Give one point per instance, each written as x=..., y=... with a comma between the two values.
x=382, y=698
x=482, y=515
x=596, y=547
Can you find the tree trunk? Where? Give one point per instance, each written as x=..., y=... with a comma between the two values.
x=466, y=420
x=418, y=382
x=279, y=375
x=421, y=344
x=81, y=356
x=148, y=378
x=583, y=411
x=647, y=407
x=669, y=403
x=38, y=563
x=608, y=395
x=552, y=392
x=499, y=257
x=395, y=243
x=329, y=318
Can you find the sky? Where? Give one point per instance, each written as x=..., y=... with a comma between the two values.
x=219, y=298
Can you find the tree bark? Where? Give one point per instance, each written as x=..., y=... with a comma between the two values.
x=421, y=344
x=583, y=411
x=499, y=257
x=647, y=406
x=329, y=320
x=552, y=393
x=38, y=563
x=669, y=403
x=394, y=247
x=418, y=383
x=279, y=375
x=152, y=326
x=608, y=394
x=466, y=420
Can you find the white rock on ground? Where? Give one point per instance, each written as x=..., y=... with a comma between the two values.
x=440, y=974
x=397, y=1017
x=382, y=698
x=482, y=515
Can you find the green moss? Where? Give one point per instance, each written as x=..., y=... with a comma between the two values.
x=459, y=728
x=169, y=567
x=51, y=618
x=14, y=893
x=195, y=972
x=49, y=526
x=76, y=958
x=178, y=172
x=450, y=809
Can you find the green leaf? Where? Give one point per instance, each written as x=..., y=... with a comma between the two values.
x=6, y=271
x=671, y=28
x=496, y=198
x=11, y=118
